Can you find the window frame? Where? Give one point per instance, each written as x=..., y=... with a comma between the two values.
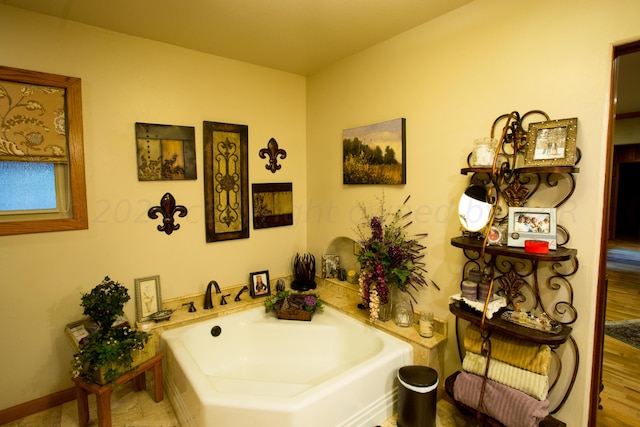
x=73, y=101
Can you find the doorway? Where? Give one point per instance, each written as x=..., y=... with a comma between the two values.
x=620, y=231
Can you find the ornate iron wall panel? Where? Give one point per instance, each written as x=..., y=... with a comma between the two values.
x=226, y=188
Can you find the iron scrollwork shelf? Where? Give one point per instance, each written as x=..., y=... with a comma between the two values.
x=519, y=276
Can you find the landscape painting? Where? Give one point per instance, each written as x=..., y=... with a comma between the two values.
x=374, y=154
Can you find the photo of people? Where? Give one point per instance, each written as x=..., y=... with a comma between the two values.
x=260, y=284
x=528, y=222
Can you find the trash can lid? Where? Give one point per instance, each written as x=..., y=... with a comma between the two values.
x=418, y=376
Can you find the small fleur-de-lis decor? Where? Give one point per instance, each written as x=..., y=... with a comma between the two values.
x=273, y=151
x=168, y=209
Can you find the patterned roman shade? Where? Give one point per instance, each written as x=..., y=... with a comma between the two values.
x=33, y=123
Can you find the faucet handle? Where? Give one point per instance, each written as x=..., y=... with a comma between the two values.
x=223, y=299
x=192, y=307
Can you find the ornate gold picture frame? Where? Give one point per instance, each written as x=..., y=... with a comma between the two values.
x=226, y=187
x=552, y=143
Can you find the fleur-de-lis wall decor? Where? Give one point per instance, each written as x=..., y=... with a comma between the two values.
x=273, y=151
x=168, y=209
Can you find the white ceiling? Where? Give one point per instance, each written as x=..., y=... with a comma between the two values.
x=298, y=36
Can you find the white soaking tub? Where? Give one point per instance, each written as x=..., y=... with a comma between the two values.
x=261, y=371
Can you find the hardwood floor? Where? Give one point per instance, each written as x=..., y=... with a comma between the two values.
x=620, y=398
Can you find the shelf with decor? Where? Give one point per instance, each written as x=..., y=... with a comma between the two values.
x=515, y=290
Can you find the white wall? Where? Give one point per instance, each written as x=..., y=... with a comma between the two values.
x=450, y=79
x=127, y=80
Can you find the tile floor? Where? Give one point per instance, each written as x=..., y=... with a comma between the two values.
x=138, y=409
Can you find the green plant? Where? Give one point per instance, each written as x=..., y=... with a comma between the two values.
x=109, y=346
x=286, y=300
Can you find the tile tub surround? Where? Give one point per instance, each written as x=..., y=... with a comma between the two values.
x=338, y=294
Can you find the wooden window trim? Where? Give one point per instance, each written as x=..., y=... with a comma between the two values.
x=73, y=91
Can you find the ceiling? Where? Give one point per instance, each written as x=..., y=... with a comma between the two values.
x=298, y=36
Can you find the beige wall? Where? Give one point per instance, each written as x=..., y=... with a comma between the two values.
x=450, y=79
x=124, y=80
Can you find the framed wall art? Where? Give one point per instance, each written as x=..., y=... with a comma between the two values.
x=148, y=297
x=552, y=143
x=531, y=224
x=272, y=204
x=165, y=152
x=226, y=187
x=259, y=284
x=375, y=154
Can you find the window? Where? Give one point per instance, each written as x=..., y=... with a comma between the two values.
x=42, y=186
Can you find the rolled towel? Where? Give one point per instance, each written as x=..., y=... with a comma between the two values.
x=511, y=407
x=533, y=384
x=532, y=357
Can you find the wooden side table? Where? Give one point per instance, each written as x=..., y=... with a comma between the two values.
x=103, y=392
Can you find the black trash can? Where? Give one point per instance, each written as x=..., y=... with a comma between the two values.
x=417, y=396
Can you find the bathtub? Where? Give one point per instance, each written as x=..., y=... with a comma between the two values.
x=261, y=371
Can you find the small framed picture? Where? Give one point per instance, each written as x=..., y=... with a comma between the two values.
x=532, y=224
x=330, y=266
x=552, y=143
x=259, y=284
x=496, y=236
x=148, y=297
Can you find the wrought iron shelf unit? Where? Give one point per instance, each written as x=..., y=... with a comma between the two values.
x=539, y=282
x=496, y=323
x=473, y=244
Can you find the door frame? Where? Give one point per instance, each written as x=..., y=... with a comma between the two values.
x=601, y=292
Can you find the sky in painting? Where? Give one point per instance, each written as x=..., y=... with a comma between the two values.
x=383, y=134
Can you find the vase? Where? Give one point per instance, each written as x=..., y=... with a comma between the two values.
x=385, y=311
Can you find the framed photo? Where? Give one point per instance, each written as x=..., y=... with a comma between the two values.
x=532, y=224
x=552, y=143
x=330, y=266
x=375, y=154
x=272, y=205
x=260, y=286
x=226, y=186
x=497, y=235
x=148, y=297
x=165, y=152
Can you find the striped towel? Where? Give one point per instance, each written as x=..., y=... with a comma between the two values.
x=511, y=407
x=533, y=384
x=532, y=357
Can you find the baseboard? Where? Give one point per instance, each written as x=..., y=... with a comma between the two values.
x=37, y=405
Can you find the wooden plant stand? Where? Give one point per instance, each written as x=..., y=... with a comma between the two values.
x=103, y=392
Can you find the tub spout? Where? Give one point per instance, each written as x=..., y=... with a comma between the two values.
x=244, y=288
x=208, y=302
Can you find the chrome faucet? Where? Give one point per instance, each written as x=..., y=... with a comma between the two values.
x=208, y=302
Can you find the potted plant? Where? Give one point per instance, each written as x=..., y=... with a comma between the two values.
x=297, y=306
x=110, y=346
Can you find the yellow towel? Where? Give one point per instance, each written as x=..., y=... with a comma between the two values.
x=533, y=384
x=532, y=357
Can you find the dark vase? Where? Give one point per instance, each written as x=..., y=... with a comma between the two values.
x=304, y=271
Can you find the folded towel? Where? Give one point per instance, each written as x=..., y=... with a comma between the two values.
x=532, y=357
x=511, y=407
x=492, y=308
x=533, y=384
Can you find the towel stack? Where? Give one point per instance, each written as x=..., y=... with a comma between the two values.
x=518, y=378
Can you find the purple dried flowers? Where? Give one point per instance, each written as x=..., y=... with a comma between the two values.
x=388, y=257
